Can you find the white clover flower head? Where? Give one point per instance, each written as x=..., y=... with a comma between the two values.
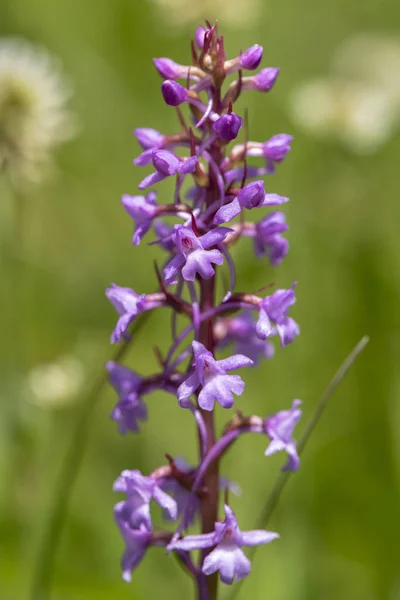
x=33, y=110
x=357, y=113
x=56, y=384
x=358, y=103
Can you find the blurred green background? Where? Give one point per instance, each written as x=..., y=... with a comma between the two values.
x=338, y=518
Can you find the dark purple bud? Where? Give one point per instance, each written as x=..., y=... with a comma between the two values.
x=265, y=79
x=227, y=127
x=277, y=147
x=251, y=58
x=173, y=93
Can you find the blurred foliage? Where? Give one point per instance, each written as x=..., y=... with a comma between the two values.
x=338, y=518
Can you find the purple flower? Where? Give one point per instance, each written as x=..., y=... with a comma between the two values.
x=130, y=408
x=165, y=235
x=140, y=491
x=149, y=139
x=241, y=331
x=251, y=196
x=193, y=255
x=142, y=209
x=279, y=429
x=167, y=164
x=212, y=375
x=276, y=148
x=227, y=557
x=227, y=127
x=136, y=540
x=173, y=93
x=169, y=69
x=129, y=305
x=267, y=238
x=274, y=309
x=200, y=36
x=263, y=81
x=249, y=59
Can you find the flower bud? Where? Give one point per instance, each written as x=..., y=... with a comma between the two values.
x=276, y=148
x=251, y=58
x=252, y=195
x=227, y=127
x=173, y=93
x=169, y=69
x=265, y=79
x=200, y=36
x=148, y=138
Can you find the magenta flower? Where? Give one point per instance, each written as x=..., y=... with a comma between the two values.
x=211, y=374
x=142, y=209
x=227, y=557
x=279, y=429
x=140, y=491
x=193, y=255
x=251, y=196
x=167, y=164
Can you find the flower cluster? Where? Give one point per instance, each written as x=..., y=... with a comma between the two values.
x=215, y=183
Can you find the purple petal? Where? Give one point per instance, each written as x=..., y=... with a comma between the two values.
x=187, y=388
x=199, y=261
x=214, y=237
x=188, y=166
x=166, y=502
x=228, y=212
x=274, y=200
x=264, y=327
x=221, y=389
x=149, y=138
x=234, y=362
x=258, y=537
x=194, y=542
x=171, y=269
x=144, y=159
x=150, y=180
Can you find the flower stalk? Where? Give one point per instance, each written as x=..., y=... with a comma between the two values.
x=223, y=187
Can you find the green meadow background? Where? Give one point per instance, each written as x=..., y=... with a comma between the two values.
x=339, y=516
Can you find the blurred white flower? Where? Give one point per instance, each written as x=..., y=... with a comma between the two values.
x=359, y=114
x=33, y=114
x=234, y=13
x=359, y=104
x=371, y=57
x=56, y=384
